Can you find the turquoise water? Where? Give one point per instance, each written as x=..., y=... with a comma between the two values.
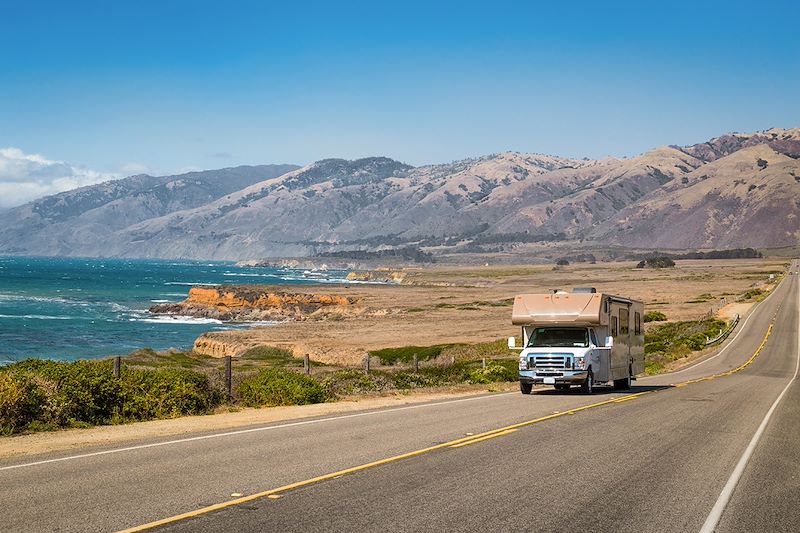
x=69, y=309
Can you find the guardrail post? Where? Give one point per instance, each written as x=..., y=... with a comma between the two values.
x=307, y=365
x=229, y=377
x=483, y=363
x=117, y=366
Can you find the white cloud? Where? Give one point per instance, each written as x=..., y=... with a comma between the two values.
x=25, y=177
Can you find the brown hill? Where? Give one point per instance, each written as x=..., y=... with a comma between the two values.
x=748, y=198
x=736, y=190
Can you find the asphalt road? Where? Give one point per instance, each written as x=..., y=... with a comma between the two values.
x=656, y=461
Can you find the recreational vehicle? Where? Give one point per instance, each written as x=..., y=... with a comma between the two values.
x=582, y=338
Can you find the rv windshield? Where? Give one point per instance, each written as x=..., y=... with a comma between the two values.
x=559, y=337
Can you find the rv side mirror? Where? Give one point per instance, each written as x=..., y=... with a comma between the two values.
x=609, y=342
x=512, y=343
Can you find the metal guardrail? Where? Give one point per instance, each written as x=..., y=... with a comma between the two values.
x=724, y=334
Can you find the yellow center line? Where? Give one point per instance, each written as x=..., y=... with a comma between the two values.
x=457, y=443
x=487, y=437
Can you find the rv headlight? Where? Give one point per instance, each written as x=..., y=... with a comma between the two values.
x=523, y=362
x=579, y=363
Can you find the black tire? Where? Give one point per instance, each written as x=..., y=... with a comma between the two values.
x=525, y=388
x=624, y=383
x=587, y=387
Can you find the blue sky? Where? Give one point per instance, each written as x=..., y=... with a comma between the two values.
x=121, y=87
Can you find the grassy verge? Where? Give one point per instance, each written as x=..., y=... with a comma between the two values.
x=669, y=342
x=445, y=352
x=37, y=395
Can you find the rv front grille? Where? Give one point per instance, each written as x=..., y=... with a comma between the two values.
x=551, y=360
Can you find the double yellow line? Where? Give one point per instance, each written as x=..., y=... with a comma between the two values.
x=734, y=370
x=457, y=443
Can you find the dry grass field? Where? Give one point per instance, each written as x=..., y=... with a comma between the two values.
x=447, y=304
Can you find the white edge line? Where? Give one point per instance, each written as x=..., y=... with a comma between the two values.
x=251, y=430
x=727, y=491
x=723, y=350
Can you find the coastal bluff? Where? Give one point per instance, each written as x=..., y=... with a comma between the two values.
x=255, y=303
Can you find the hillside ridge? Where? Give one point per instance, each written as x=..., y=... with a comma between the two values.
x=735, y=190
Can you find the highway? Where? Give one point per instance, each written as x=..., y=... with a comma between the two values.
x=689, y=451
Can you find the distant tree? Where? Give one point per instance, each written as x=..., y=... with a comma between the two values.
x=656, y=262
x=562, y=262
x=654, y=316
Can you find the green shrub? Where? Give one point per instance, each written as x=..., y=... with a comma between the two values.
x=166, y=393
x=20, y=402
x=83, y=391
x=272, y=387
x=414, y=380
x=656, y=262
x=272, y=355
x=466, y=352
x=405, y=354
x=752, y=294
x=493, y=373
x=41, y=394
x=671, y=341
x=347, y=382
x=653, y=367
x=654, y=316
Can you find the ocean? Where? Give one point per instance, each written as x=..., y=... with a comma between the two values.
x=68, y=309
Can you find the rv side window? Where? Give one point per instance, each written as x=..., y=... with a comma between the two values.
x=613, y=326
x=624, y=321
x=637, y=324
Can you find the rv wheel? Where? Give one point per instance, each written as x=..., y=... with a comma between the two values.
x=588, y=385
x=525, y=388
x=623, y=384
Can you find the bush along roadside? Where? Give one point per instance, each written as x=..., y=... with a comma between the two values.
x=669, y=342
x=42, y=394
x=37, y=395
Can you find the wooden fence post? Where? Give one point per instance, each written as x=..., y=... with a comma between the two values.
x=416, y=363
x=366, y=364
x=117, y=366
x=307, y=365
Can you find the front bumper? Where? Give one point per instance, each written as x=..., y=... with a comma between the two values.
x=561, y=377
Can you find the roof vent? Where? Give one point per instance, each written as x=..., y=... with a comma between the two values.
x=584, y=290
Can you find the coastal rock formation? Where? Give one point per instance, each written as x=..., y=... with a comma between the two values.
x=248, y=303
x=214, y=347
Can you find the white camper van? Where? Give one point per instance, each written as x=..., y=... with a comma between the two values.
x=582, y=338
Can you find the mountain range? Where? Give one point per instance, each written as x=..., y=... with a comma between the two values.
x=734, y=191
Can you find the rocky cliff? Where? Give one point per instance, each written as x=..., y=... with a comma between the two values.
x=257, y=304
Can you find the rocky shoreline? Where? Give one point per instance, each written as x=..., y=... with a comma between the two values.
x=248, y=303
